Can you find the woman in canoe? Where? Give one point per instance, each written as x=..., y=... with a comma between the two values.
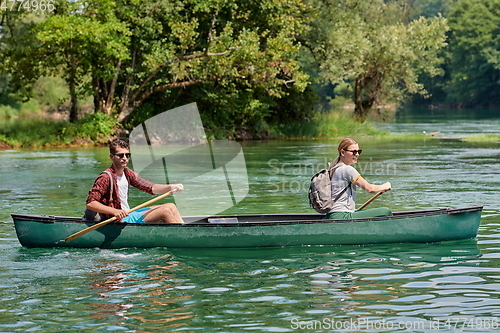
x=111, y=198
x=344, y=181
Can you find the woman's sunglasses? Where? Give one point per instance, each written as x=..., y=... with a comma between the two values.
x=354, y=152
x=127, y=155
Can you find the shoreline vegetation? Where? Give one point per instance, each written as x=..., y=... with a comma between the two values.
x=258, y=70
x=97, y=129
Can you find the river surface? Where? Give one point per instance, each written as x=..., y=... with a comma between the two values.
x=440, y=287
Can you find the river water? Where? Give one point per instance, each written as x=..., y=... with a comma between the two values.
x=445, y=287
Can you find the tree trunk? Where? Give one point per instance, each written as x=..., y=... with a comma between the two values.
x=360, y=112
x=125, y=112
x=104, y=92
x=366, y=93
x=109, y=105
x=97, y=94
x=73, y=111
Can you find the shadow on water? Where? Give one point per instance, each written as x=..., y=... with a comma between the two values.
x=432, y=251
x=364, y=262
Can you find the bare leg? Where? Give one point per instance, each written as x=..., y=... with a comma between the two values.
x=167, y=213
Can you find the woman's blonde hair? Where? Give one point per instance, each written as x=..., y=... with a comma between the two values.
x=343, y=145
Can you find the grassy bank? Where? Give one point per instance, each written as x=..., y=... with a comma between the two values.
x=98, y=129
x=337, y=126
x=483, y=138
x=93, y=129
x=326, y=125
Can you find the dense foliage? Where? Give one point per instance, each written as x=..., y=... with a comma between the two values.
x=249, y=65
x=370, y=45
x=475, y=53
x=149, y=54
x=472, y=57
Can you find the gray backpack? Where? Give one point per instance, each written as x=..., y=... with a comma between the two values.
x=320, y=190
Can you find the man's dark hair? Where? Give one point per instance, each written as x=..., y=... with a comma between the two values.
x=118, y=143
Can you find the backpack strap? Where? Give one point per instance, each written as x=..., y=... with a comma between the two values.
x=340, y=194
x=90, y=215
x=331, y=169
x=111, y=187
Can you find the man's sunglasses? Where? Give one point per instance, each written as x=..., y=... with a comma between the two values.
x=354, y=152
x=127, y=155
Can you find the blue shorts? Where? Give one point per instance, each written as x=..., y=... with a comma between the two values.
x=136, y=216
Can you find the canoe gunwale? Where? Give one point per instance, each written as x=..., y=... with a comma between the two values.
x=306, y=218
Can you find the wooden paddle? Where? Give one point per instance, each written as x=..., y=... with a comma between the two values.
x=100, y=224
x=370, y=200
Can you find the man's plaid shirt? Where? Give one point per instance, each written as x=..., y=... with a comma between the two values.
x=101, y=190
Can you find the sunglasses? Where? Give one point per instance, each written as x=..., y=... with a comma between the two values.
x=127, y=155
x=354, y=152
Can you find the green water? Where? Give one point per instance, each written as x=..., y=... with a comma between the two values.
x=451, y=286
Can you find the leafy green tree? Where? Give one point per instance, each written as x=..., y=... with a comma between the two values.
x=18, y=55
x=72, y=41
x=230, y=49
x=86, y=42
x=129, y=53
x=370, y=45
x=474, y=65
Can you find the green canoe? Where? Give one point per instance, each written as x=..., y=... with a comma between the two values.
x=271, y=230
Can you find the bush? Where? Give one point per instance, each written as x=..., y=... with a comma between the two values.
x=7, y=111
x=95, y=126
x=36, y=132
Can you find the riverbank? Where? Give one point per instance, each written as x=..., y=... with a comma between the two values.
x=98, y=129
x=43, y=132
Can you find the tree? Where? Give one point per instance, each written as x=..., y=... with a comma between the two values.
x=128, y=53
x=135, y=50
x=71, y=41
x=369, y=44
x=233, y=44
x=474, y=50
x=18, y=52
x=85, y=42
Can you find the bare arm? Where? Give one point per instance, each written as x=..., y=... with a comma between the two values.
x=98, y=207
x=372, y=188
x=160, y=189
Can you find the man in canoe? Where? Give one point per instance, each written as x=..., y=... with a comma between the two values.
x=344, y=181
x=113, y=200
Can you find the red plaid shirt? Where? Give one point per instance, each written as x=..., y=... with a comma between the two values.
x=100, y=191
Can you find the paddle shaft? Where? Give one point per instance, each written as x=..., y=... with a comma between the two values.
x=370, y=200
x=100, y=224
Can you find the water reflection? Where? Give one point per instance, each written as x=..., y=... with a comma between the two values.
x=130, y=295
x=266, y=289
x=163, y=290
